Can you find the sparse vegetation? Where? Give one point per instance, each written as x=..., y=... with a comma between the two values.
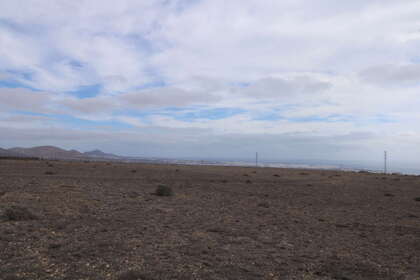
x=113, y=219
x=163, y=190
x=18, y=213
x=264, y=204
x=133, y=275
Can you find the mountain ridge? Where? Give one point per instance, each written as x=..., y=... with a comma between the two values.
x=53, y=152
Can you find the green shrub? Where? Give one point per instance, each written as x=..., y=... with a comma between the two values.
x=163, y=190
x=134, y=275
x=18, y=213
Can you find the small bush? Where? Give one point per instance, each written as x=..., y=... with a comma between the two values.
x=163, y=190
x=18, y=213
x=133, y=194
x=54, y=246
x=276, y=175
x=263, y=204
x=133, y=275
x=133, y=171
x=49, y=173
x=417, y=199
x=248, y=181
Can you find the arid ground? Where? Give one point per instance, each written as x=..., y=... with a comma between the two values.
x=98, y=220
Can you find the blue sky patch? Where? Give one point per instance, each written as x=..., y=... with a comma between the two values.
x=86, y=91
x=209, y=114
x=14, y=80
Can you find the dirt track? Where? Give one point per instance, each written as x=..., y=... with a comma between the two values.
x=102, y=221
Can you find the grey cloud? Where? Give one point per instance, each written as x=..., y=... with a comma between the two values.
x=280, y=88
x=392, y=74
x=166, y=97
x=23, y=119
x=24, y=99
x=4, y=76
x=90, y=105
x=150, y=98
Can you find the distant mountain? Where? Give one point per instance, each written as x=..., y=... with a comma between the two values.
x=50, y=152
x=100, y=154
x=7, y=153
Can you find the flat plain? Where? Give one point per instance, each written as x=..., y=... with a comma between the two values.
x=102, y=220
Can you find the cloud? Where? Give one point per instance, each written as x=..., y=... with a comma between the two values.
x=166, y=97
x=298, y=73
x=385, y=75
x=4, y=76
x=24, y=100
x=90, y=105
x=279, y=88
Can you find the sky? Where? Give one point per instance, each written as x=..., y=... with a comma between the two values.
x=291, y=79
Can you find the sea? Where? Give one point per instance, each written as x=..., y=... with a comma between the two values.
x=355, y=166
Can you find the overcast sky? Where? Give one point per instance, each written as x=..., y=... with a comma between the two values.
x=293, y=79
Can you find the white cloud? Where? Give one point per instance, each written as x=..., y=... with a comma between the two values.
x=317, y=69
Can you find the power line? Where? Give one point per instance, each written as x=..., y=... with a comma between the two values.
x=385, y=161
x=256, y=159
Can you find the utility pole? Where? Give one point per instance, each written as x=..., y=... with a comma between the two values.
x=385, y=162
x=256, y=159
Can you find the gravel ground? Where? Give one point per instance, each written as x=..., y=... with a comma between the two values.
x=98, y=220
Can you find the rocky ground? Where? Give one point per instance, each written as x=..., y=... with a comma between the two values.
x=91, y=220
